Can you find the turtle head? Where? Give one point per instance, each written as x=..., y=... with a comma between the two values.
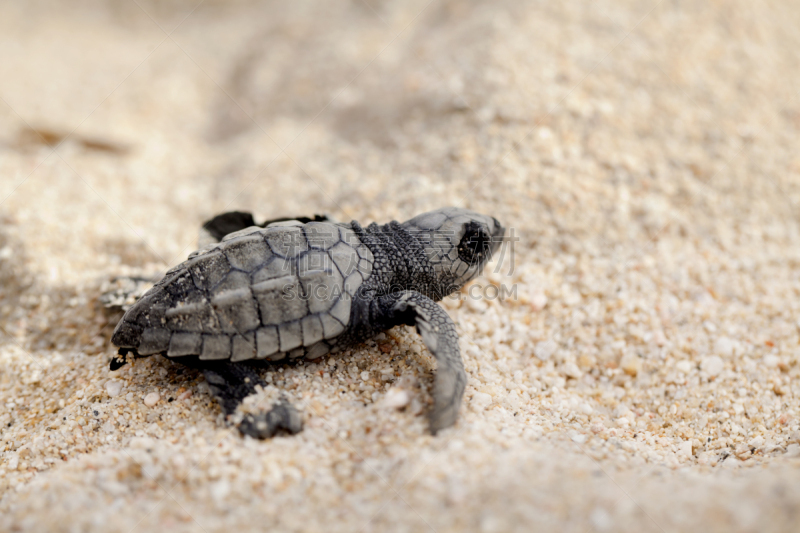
x=458, y=243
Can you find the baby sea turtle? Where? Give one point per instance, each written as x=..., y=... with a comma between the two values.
x=307, y=288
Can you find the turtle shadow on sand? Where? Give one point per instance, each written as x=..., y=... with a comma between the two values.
x=38, y=315
x=323, y=80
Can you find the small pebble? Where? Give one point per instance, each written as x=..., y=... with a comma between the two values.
x=631, y=364
x=724, y=346
x=142, y=443
x=545, y=349
x=538, y=301
x=601, y=520
x=571, y=370
x=476, y=304
x=113, y=387
x=481, y=400
x=151, y=399
x=712, y=365
x=396, y=398
x=685, y=449
x=220, y=490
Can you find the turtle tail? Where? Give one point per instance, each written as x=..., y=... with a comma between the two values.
x=120, y=360
x=126, y=335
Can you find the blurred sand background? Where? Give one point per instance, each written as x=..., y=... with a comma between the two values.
x=643, y=378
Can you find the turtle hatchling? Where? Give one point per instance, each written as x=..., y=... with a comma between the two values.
x=306, y=288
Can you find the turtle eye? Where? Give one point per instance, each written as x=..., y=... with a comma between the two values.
x=475, y=245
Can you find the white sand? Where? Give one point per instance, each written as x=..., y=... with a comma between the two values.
x=645, y=376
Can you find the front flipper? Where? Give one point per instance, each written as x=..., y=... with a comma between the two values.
x=439, y=334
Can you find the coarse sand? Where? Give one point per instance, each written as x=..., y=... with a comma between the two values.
x=633, y=359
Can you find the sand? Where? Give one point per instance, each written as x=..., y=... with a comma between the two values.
x=638, y=372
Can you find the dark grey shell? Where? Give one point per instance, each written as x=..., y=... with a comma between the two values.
x=261, y=293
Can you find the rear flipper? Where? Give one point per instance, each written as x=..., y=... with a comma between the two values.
x=283, y=415
x=230, y=383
